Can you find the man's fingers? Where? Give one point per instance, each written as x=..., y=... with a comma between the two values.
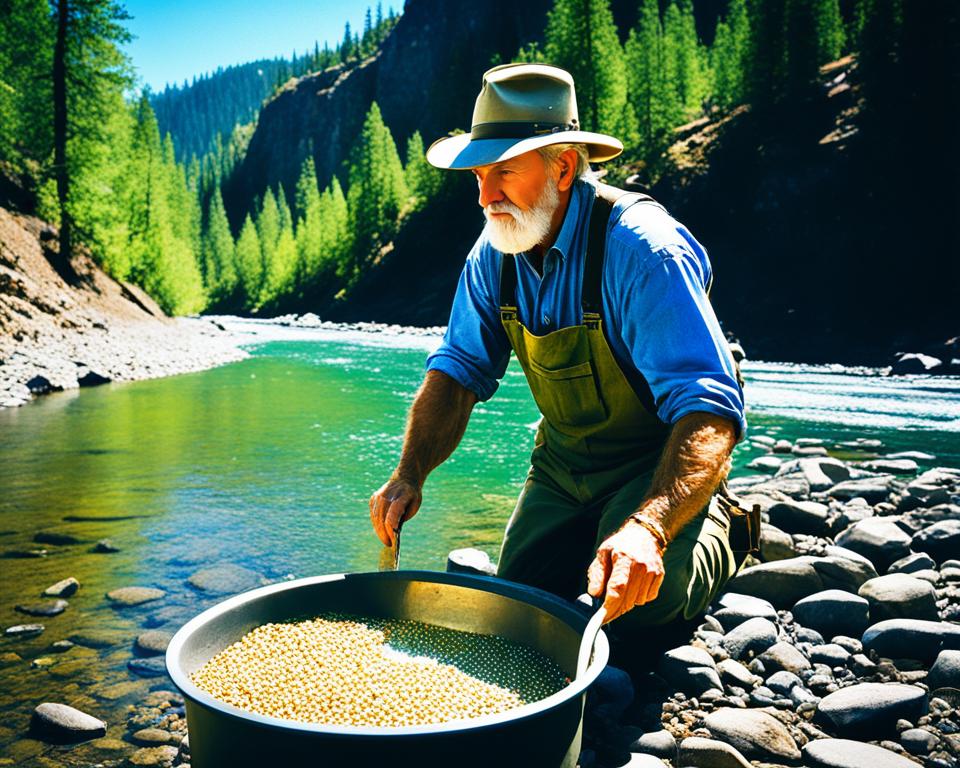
x=377, y=512
x=597, y=573
x=617, y=586
x=393, y=518
x=652, y=588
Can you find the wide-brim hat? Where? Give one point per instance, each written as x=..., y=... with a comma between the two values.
x=521, y=107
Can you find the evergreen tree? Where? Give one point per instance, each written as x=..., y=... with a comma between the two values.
x=310, y=224
x=268, y=232
x=219, y=252
x=803, y=49
x=582, y=38
x=830, y=33
x=339, y=236
x=250, y=262
x=728, y=55
x=367, y=42
x=377, y=188
x=649, y=95
x=767, y=56
x=423, y=180
x=346, y=47
x=691, y=78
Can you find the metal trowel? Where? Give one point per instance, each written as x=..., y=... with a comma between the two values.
x=390, y=556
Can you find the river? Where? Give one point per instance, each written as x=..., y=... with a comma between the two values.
x=268, y=463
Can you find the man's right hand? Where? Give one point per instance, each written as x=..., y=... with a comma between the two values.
x=396, y=502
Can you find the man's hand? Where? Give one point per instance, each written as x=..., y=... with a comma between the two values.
x=396, y=502
x=627, y=571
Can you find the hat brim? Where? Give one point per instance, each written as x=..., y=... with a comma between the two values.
x=461, y=152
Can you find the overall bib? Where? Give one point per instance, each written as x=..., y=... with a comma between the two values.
x=596, y=448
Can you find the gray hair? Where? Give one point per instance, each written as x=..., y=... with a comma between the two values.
x=551, y=155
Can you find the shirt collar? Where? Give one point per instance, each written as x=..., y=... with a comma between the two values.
x=578, y=193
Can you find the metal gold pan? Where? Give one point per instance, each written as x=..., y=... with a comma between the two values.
x=544, y=733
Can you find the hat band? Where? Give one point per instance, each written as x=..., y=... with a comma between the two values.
x=518, y=130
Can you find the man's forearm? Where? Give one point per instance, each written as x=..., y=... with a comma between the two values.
x=694, y=461
x=436, y=423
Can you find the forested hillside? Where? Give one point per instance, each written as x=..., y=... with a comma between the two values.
x=807, y=180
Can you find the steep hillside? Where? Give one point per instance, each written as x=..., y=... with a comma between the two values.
x=69, y=325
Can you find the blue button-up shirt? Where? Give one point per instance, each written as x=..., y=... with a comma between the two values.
x=659, y=321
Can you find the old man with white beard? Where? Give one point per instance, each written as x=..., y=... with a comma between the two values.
x=602, y=296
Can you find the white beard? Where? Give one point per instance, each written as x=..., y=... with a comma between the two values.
x=526, y=228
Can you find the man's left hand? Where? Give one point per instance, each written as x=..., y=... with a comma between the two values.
x=627, y=571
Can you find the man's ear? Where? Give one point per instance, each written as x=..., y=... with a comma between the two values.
x=567, y=163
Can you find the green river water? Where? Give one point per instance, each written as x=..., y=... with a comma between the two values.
x=268, y=464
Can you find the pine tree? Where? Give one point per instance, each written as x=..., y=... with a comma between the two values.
x=268, y=232
x=346, y=47
x=339, y=236
x=367, y=42
x=691, y=83
x=310, y=224
x=830, y=33
x=219, y=252
x=767, y=55
x=377, y=188
x=423, y=180
x=728, y=55
x=581, y=37
x=250, y=263
x=644, y=52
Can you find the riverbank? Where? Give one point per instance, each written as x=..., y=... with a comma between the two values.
x=64, y=326
x=838, y=646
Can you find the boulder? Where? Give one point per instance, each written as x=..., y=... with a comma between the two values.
x=755, y=733
x=765, y=463
x=945, y=672
x=940, y=540
x=659, y=743
x=891, y=466
x=916, y=561
x=912, y=363
x=775, y=544
x=878, y=539
x=781, y=582
x=807, y=517
x=873, y=489
x=845, y=753
x=697, y=752
x=900, y=596
x=870, y=710
x=734, y=609
x=911, y=638
x=690, y=669
x=833, y=612
x=62, y=724
x=751, y=637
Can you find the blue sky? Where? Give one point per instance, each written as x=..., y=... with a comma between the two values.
x=177, y=39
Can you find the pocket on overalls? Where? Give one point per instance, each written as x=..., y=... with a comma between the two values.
x=568, y=396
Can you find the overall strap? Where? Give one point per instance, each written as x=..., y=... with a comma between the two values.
x=508, y=287
x=591, y=290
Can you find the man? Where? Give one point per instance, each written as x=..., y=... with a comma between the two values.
x=624, y=356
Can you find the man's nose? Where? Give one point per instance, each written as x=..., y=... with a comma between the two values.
x=489, y=190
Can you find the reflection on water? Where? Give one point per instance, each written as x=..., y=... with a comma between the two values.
x=268, y=463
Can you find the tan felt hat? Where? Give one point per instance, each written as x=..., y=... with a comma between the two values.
x=520, y=107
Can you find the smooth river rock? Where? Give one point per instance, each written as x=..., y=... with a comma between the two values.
x=225, y=579
x=752, y=636
x=809, y=517
x=24, y=630
x=697, y=752
x=470, y=560
x=63, y=588
x=833, y=612
x=878, y=539
x=940, y=540
x=844, y=753
x=945, y=672
x=690, y=669
x=911, y=638
x=755, y=733
x=129, y=596
x=870, y=710
x=784, y=582
x=900, y=596
x=59, y=723
x=153, y=641
x=783, y=657
x=45, y=608
x=733, y=609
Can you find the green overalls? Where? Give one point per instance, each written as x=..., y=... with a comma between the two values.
x=595, y=452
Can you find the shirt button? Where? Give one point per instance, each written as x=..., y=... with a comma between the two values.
x=546, y=319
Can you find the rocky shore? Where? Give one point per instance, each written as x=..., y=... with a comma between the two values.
x=838, y=647
x=64, y=326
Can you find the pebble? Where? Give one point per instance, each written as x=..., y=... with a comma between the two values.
x=751, y=637
x=64, y=588
x=130, y=596
x=844, y=753
x=697, y=752
x=831, y=654
x=918, y=741
x=734, y=673
x=870, y=710
x=46, y=608
x=60, y=723
x=151, y=736
x=833, y=612
x=900, y=596
x=755, y=733
x=105, y=546
x=154, y=756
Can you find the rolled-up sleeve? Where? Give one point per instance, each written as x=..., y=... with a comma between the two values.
x=475, y=349
x=675, y=341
